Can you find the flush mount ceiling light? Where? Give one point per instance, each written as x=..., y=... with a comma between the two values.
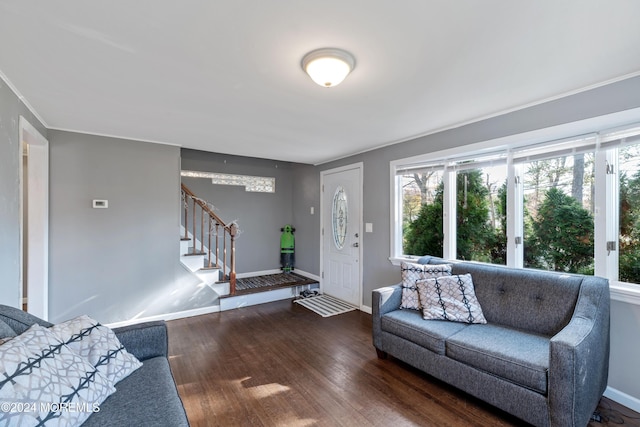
x=328, y=66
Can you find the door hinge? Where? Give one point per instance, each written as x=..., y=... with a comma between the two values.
x=322, y=275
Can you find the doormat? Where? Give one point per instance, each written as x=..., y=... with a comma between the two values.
x=325, y=305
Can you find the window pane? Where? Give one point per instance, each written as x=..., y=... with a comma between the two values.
x=481, y=203
x=629, y=243
x=558, y=213
x=422, y=197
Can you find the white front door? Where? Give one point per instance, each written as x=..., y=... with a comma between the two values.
x=341, y=233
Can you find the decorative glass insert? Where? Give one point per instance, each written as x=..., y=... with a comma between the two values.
x=339, y=217
x=259, y=184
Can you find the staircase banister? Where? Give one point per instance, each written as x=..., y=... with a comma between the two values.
x=230, y=230
x=205, y=207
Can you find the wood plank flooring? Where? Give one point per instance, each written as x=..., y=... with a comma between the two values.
x=279, y=364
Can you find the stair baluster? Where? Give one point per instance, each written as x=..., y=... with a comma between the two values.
x=229, y=232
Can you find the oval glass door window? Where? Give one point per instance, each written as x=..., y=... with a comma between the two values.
x=339, y=217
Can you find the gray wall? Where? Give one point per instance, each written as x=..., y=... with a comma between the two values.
x=306, y=195
x=378, y=271
x=11, y=108
x=259, y=215
x=122, y=262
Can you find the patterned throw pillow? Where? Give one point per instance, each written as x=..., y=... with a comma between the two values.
x=98, y=345
x=411, y=273
x=43, y=382
x=450, y=298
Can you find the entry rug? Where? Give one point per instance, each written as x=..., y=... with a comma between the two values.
x=325, y=305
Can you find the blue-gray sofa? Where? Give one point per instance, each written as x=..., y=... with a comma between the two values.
x=543, y=354
x=147, y=397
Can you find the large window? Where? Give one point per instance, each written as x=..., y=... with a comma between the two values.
x=481, y=216
x=570, y=205
x=422, y=210
x=558, y=207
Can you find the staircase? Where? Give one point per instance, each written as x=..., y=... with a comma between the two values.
x=212, y=262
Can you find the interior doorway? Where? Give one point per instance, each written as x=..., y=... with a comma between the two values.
x=34, y=220
x=341, y=210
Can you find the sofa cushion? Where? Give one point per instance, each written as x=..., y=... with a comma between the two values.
x=533, y=300
x=450, y=298
x=410, y=325
x=98, y=345
x=51, y=384
x=517, y=356
x=411, y=273
x=148, y=397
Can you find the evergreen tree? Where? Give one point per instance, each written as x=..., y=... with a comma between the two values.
x=629, y=242
x=475, y=235
x=499, y=245
x=424, y=236
x=562, y=237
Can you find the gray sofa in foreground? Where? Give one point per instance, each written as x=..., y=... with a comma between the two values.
x=543, y=354
x=147, y=397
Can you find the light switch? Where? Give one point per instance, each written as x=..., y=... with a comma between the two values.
x=368, y=227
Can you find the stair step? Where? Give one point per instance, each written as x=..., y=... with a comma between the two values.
x=194, y=254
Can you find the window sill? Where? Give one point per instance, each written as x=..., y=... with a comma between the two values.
x=625, y=292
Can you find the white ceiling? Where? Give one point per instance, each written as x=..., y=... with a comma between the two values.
x=225, y=76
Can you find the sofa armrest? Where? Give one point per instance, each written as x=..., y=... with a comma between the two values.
x=19, y=320
x=384, y=300
x=144, y=340
x=579, y=357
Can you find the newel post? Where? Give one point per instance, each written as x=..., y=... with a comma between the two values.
x=233, y=230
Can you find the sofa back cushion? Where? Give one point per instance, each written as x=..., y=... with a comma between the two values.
x=530, y=300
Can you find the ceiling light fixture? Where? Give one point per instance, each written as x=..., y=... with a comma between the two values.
x=328, y=66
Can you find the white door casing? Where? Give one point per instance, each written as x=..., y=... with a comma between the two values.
x=341, y=233
x=37, y=222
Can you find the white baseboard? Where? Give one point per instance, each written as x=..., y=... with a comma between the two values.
x=623, y=398
x=168, y=316
x=365, y=309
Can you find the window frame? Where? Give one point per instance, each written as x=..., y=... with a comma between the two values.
x=606, y=190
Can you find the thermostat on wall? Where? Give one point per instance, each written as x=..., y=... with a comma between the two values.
x=103, y=204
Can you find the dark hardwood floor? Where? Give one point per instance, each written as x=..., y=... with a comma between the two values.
x=279, y=364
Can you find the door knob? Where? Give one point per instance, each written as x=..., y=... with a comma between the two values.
x=355, y=245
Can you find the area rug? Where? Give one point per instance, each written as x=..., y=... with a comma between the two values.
x=272, y=280
x=325, y=305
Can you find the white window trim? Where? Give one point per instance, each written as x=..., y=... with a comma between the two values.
x=620, y=291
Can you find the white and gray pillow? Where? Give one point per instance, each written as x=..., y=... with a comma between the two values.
x=411, y=273
x=99, y=345
x=450, y=298
x=46, y=382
